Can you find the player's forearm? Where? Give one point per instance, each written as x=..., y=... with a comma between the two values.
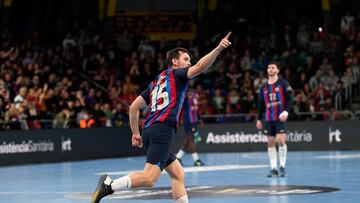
x=134, y=120
x=288, y=101
x=205, y=62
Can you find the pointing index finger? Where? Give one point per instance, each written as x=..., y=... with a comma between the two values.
x=228, y=35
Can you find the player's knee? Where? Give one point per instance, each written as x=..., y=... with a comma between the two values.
x=271, y=144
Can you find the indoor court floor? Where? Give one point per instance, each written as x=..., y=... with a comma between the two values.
x=227, y=177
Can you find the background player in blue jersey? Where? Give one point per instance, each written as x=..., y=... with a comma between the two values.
x=275, y=102
x=165, y=97
x=190, y=117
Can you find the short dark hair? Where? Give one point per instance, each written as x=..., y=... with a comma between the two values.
x=276, y=64
x=174, y=54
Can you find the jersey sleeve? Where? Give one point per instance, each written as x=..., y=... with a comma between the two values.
x=288, y=96
x=146, y=94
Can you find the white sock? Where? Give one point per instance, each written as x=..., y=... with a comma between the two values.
x=272, y=157
x=282, y=155
x=183, y=199
x=180, y=154
x=195, y=156
x=121, y=183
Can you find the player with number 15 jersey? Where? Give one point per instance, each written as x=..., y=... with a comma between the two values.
x=165, y=96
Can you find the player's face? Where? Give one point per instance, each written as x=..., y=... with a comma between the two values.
x=272, y=70
x=183, y=61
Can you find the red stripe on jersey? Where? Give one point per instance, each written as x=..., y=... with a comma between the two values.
x=266, y=95
x=172, y=96
x=156, y=114
x=275, y=106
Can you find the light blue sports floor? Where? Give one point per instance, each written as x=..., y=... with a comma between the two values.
x=74, y=181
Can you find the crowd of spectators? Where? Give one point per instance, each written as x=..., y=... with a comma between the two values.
x=86, y=79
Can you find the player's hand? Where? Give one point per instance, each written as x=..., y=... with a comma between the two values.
x=259, y=124
x=283, y=116
x=136, y=140
x=225, y=42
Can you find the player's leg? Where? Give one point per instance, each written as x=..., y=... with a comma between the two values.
x=157, y=139
x=176, y=173
x=281, y=139
x=271, y=133
x=282, y=153
x=182, y=151
x=192, y=147
x=147, y=178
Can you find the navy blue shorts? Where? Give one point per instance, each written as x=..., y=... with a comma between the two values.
x=157, y=140
x=274, y=127
x=190, y=128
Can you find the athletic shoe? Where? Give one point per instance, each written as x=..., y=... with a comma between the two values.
x=273, y=173
x=103, y=189
x=198, y=163
x=282, y=172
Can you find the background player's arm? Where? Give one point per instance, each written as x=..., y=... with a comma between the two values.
x=205, y=62
x=134, y=112
x=261, y=109
x=288, y=102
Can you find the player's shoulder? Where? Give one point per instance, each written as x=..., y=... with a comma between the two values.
x=263, y=84
x=283, y=81
x=180, y=73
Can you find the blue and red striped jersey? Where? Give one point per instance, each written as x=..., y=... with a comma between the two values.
x=165, y=96
x=190, y=109
x=274, y=99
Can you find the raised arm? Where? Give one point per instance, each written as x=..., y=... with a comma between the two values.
x=205, y=62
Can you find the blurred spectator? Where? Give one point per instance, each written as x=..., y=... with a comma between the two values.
x=339, y=97
x=19, y=99
x=320, y=96
x=119, y=116
x=330, y=81
x=233, y=102
x=299, y=107
x=86, y=120
x=61, y=120
x=218, y=101
x=316, y=80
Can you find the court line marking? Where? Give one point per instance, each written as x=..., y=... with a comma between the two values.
x=340, y=156
x=195, y=169
x=33, y=193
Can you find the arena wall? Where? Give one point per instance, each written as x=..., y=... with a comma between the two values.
x=40, y=146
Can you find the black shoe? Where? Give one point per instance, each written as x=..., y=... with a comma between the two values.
x=198, y=163
x=103, y=189
x=273, y=173
x=282, y=172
